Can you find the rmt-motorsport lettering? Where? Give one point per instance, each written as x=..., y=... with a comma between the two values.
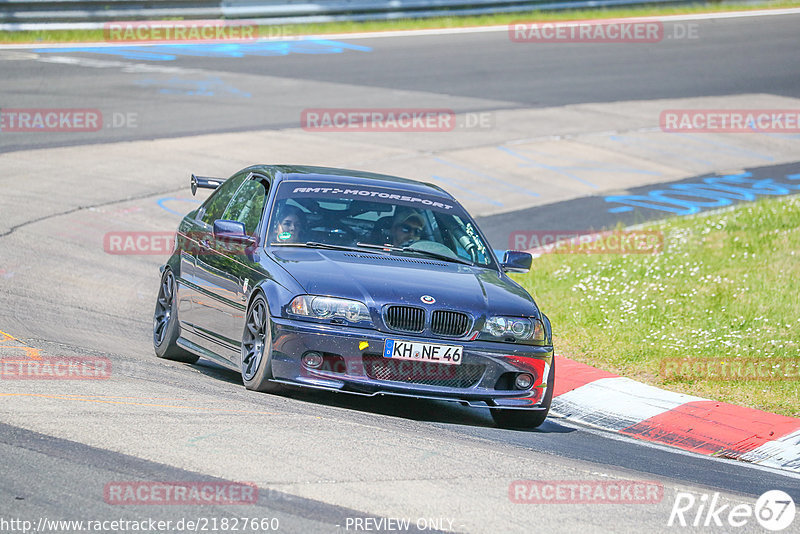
x=368, y=193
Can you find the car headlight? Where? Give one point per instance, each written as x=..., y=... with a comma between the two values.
x=330, y=308
x=514, y=330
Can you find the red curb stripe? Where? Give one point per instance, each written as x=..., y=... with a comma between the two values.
x=572, y=375
x=717, y=428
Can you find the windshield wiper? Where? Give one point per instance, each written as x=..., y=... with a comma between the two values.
x=316, y=244
x=436, y=255
x=326, y=246
x=360, y=247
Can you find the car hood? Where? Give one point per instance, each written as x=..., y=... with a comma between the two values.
x=379, y=279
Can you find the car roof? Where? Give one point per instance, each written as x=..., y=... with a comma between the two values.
x=289, y=173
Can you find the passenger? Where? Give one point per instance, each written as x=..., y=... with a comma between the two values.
x=407, y=226
x=291, y=225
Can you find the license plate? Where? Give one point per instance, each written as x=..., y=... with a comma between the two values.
x=424, y=352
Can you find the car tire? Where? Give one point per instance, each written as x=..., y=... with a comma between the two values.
x=526, y=419
x=256, y=363
x=166, y=326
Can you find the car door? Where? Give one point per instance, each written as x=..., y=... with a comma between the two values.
x=196, y=242
x=224, y=269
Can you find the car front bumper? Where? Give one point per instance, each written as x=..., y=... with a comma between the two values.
x=354, y=363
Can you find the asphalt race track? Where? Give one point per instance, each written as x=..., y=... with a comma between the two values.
x=470, y=72
x=321, y=461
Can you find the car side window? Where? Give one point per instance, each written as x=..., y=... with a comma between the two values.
x=247, y=205
x=214, y=206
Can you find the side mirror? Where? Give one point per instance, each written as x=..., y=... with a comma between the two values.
x=233, y=233
x=515, y=261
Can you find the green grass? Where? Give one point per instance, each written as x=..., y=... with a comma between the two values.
x=62, y=36
x=726, y=285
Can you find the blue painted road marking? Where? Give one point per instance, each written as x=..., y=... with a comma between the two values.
x=170, y=52
x=712, y=192
x=162, y=201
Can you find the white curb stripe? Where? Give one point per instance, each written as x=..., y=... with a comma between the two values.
x=617, y=403
x=783, y=453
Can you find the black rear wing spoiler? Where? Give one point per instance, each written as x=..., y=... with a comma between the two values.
x=205, y=182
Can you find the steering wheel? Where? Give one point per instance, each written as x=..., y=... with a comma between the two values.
x=469, y=246
x=433, y=246
x=340, y=235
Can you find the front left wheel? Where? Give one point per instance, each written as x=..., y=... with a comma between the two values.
x=166, y=329
x=257, y=348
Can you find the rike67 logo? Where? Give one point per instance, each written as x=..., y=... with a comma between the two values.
x=774, y=511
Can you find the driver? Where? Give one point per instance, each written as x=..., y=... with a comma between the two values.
x=407, y=226
x=291, y=223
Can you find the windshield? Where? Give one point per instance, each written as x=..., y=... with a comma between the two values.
x=333, y=214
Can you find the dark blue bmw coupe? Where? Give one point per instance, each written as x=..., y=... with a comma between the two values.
x=355, y=282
